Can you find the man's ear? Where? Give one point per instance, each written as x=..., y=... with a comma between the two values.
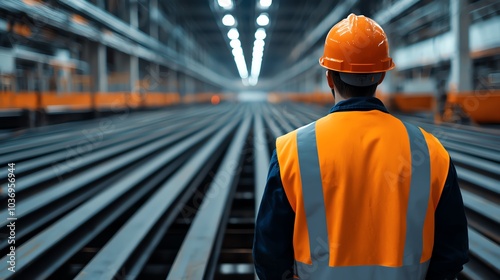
x=329, y=79
x=381, y=78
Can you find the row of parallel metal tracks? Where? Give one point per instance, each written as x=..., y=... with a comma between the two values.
x=172, y=194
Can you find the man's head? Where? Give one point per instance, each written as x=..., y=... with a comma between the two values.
x=356, y=55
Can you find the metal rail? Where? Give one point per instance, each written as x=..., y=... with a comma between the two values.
x=262, y=158
x=40, y=245
x=97, y=171
x=204, y=236
x=112, y=257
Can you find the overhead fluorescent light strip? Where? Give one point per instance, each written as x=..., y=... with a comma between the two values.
x=237, y=51
x=235, y=43
x=257, y=54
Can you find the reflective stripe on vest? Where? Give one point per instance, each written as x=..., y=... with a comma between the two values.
x=316, y=215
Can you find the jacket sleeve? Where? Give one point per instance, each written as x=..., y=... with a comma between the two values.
x=451, y=242
x=273, y=240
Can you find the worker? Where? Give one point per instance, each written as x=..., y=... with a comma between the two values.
x=360, y=194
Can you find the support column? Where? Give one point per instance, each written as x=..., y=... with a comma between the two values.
x=134, y=60
x=154, y=68
x=181, y=84
x=174, y=77
x=102, y=72
x=134, y=73
x=100, y=4
x=42, y=81
x=172, y=81
x=153, y=18
x=39, y=118
x=188, y=84
x=461, y=63
x=134, y=14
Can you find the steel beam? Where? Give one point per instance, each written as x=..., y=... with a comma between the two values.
x=32, y=204
x=322, y=28
x=111, y=258
x=394, y=10
x=200, y=246
x=40, y=245
x=261, y=157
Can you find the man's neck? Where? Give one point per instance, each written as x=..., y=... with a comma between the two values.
x=338, y=98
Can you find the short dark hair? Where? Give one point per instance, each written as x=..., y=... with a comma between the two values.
x=347, y=90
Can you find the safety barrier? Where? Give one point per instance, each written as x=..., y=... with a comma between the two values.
x=410, y=103
x=85, y=100
x=480, y=105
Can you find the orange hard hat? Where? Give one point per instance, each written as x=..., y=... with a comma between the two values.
x=357, y=44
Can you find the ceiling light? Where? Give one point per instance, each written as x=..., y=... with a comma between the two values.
x=242, y=67
x=258, y=48
x=259, y=43
x=238, y=51
x=263, y=20
x=233, y=34
x=266, y=3
x=256, y=65
x=257, y=55
x=260, y=34
x=235, y=43
x=228, y=20
x=226, y=4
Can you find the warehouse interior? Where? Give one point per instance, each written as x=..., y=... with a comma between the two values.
x=142, y=130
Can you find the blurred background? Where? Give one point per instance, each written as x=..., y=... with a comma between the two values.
x=93, y=55
x=126, y=117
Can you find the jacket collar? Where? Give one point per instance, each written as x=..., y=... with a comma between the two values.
x=359, y=104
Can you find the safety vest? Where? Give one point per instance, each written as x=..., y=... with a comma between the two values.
x=364, y=187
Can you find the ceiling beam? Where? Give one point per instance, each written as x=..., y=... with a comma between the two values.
x=323, y=27
x=396, y=9
x=298, y=68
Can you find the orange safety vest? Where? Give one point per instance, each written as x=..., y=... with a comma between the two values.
x=364, y=187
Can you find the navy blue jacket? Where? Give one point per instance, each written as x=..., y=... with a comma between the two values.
x=273, y=241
